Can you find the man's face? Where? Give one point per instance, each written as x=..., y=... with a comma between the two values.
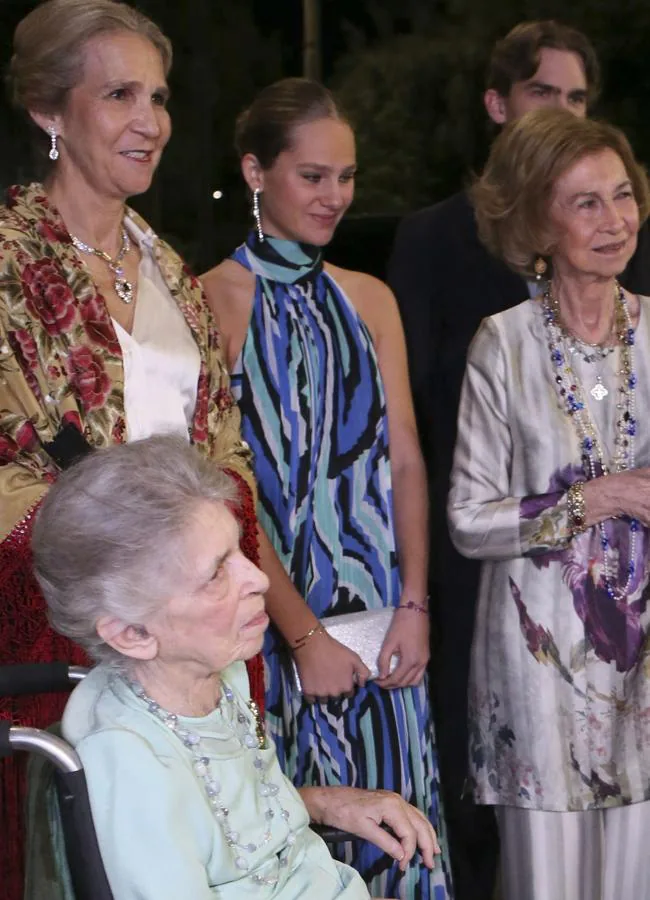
x=558, y=82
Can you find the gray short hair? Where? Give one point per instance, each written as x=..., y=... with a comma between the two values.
x=110, y=537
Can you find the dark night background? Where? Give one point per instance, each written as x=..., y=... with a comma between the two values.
x=409, y=72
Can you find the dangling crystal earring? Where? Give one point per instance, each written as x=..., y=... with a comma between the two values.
x=256, y=213
x=54, y=150
x=540, y=268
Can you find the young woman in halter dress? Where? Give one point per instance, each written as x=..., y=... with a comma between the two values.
x=318, y=366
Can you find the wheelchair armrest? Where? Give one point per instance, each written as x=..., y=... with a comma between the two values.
x=5, y=746
x=38, y=678
x=14, y=738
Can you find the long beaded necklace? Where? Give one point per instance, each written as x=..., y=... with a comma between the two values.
x=201, y=765
x=123, y=287
x=571, y=394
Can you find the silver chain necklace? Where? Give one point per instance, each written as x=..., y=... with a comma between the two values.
x=201, y=765
x=123, y=287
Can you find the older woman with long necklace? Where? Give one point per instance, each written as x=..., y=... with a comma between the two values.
x=551, y=487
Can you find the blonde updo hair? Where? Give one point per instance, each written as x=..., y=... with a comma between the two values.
x=49, y=47
x=512, y=198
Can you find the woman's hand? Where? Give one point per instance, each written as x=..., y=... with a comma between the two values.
x=364, y=812
x=328, y=669
x=408, y=638
x=623, y=494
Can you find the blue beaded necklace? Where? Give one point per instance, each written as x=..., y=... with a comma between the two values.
x=576, y=408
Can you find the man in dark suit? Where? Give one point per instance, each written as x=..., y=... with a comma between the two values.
x=446, y=282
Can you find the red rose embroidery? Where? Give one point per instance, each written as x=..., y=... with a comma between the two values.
x=88, y=377
x=223, y=400
x=214, y=339
x=26, y=437
x=73, y=418
x=53, y=234
x=24, y=346
x=99, y=327
x=119, y=431
x=200, y=424
x=48, y=296
x=194, y=281
x=8, y=450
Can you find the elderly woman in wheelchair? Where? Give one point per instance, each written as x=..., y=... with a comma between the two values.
x=137, y=552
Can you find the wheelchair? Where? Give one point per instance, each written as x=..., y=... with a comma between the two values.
x=87, y=873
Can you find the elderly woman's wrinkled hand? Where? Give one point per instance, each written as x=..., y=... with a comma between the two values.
x=621, y=494
x=364, y=812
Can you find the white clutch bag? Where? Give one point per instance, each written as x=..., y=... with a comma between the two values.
x=363, y=632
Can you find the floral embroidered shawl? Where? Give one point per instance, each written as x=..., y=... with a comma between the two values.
x=60, y=359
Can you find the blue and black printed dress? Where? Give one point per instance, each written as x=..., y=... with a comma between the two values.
x=314, y=413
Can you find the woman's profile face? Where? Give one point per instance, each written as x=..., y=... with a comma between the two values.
x=115, y=124
x=218, y=617
x=595, y=216
x=310, y=185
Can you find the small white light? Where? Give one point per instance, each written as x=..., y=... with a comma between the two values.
x=217, y=195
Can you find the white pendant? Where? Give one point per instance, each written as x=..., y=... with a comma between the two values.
x=599, y=391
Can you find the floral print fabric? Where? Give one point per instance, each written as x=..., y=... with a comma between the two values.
x=560, y=684
x=60, y=360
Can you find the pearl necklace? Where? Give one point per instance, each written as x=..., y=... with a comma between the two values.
x=201, y=765
x=571, y=394
x=123, y=287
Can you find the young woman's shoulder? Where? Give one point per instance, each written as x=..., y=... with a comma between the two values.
x=373, y=300
x=227, y=283
x=359, y=283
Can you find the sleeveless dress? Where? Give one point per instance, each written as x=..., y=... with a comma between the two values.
x=313, y=411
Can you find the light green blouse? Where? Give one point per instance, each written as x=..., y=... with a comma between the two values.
x=156, y=831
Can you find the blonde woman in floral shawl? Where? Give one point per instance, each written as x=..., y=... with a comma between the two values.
x=104, y=335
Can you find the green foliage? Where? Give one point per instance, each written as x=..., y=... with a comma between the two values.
x=416, y=98
x=415, y=104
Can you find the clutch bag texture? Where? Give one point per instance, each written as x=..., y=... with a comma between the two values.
x=363, y=632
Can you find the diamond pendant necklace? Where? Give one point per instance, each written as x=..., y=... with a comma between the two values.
x=595, y=352
x=123, y=287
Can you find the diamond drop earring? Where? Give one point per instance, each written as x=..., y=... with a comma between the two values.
x=256, y=213
x=54, y=150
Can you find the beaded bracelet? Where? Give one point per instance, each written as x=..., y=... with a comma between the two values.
x=576, y=507
x=300, y=643
x=418, y=607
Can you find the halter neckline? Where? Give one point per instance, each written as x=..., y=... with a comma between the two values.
x=283, y=260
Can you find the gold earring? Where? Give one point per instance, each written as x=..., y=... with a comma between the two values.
x=540, y=268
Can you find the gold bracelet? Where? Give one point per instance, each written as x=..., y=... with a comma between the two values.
x=300, y=643
x=576, y=507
